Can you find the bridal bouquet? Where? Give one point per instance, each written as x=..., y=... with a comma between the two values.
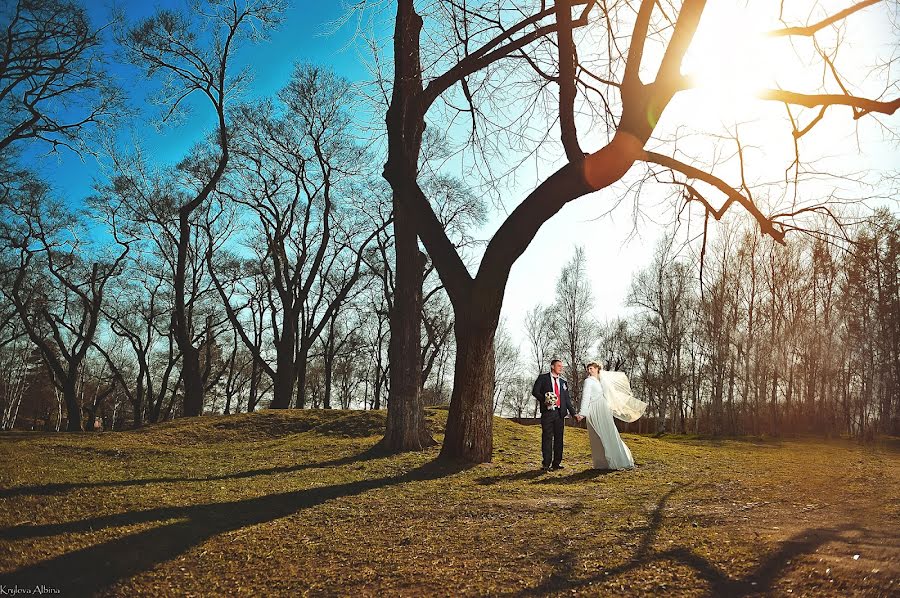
x=550, y=400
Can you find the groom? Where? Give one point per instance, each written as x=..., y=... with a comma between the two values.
x=553, y=414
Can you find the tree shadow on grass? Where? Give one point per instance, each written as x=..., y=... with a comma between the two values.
x=530, y=474
x=762, y=579
x=374, y=452
x=90, y=570
x=540, y=476
x=579, y=477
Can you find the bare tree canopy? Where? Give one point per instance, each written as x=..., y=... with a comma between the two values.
x=61, y=319
x=53, y=85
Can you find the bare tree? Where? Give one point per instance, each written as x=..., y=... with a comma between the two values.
x=539, y=332
x=376, y=331
x=665, y=294
x=144, y=202
x=136, y=314
x=341, y=344
x=507, y=379
x=573, y=324
x=294, y=171
x=54, y=86
x=14, y=349
x=60, y=319
x=174, y=45
x=409, y=103
x=340, y=340
x=773, y=340
x=477, y=299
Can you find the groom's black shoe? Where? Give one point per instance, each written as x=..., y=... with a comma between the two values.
x=555, y=467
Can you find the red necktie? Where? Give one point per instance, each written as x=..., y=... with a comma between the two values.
x=556, y=390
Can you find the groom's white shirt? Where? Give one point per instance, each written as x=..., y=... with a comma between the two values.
x=559, y=381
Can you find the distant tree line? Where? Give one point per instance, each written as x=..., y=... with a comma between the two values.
x=771, y=339
x=767, y=339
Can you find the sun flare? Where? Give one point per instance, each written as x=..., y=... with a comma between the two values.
x=731, y=59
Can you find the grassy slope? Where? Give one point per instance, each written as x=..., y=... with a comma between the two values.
x=291, y=502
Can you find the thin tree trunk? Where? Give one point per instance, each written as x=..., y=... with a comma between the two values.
x=774, y=405
x=379, y=378
x=301, y=365
x=255, y=373
x=328, y=362
x=139, y=402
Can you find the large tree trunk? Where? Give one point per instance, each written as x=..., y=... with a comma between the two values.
x=193, y=381
x=285, y=373
x=190, y=356
x=405, y=124
x=469, y=434
x=73, y=409
x=406, y=430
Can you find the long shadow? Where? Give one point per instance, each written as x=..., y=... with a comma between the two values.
x=58, y=488
x=93, y=569
x=579, y=477
x=560, y=580
x=531, y=474
x=540, y=476
x=759, y=581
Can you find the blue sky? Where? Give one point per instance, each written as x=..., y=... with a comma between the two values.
x=302, y=36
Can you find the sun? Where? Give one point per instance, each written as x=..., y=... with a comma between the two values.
x=731, y=59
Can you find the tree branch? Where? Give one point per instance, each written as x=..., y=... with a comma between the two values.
x=452, y=270
x=811, y=30
x=492, y=51
x=865, y=105
x=765, y=224
x=566, y=80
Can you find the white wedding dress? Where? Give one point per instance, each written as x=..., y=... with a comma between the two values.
x=601, y=400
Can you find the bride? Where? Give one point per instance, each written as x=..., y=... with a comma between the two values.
x=602, y=398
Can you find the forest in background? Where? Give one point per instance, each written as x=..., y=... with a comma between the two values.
x=768, y=339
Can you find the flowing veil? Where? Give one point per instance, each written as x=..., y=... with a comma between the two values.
x=621, y=401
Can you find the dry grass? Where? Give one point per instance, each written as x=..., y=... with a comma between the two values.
x=286, y=503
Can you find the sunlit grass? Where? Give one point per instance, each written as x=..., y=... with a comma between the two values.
x=297, y=502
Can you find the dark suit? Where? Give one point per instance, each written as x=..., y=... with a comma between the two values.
x=552, y=420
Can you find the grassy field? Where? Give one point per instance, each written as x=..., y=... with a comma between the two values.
x=286, y=503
